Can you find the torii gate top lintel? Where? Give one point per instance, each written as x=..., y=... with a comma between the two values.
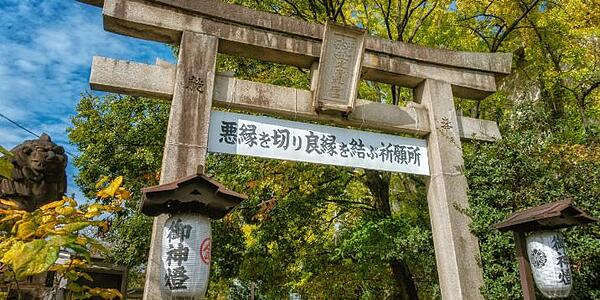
x=287, y=40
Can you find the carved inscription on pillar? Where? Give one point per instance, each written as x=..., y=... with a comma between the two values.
x=194, y=83
x=339, y=68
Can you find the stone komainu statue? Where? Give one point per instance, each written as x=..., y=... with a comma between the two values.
x=39, y=175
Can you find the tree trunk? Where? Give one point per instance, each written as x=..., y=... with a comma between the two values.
x=404, y=281
x=379, y=185
x=553, y=100
x=395, y=96
x=558, y=95
x=252, y=288
x=582, y=113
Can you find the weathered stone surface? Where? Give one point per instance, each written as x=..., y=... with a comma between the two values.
x=478, y=129
x=499, y=63
x=470, y=84
x=339, y=68
x=263, y=98
x=187, y=134
x=456, y=248
x=119, y=76
x=38, y=176
x=160, y=23
x=230, y=13
x=114, y=76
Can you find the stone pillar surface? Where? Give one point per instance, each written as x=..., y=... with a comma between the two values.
x=187, y=134
x=456, y=248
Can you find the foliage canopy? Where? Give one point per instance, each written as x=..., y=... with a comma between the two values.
x=322, y=230
x=30, y=242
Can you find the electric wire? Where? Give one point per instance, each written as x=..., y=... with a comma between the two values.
x=32, y=133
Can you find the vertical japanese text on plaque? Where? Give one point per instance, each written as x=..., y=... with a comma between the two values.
x=342, y=67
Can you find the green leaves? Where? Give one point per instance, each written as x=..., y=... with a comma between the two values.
x=120, y=135
x=530, y=167
x=30, y=241
x=6, y=165
x=384, y=239
x=31, y=258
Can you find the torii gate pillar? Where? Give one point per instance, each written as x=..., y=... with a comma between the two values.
x=456, y=248
x=187, y=134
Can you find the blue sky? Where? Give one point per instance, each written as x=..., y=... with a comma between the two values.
x=46, y=50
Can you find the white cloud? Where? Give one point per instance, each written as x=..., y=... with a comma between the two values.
x=45, y=65
x=46, y=50
x=10, y=137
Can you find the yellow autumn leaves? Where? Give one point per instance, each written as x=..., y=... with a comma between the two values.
x=6, y=166
x=30, y=241
x=113, y=189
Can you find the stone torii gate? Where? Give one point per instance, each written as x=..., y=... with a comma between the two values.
x=203, y=28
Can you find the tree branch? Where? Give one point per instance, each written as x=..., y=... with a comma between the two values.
x=484, y=15
x=386, y=17
x=338, y=11
x=553, y=55
x=510, y=28
x=590, y=89
x=420, y=22
x=488, y=6
x=313, y=8
x=296, y=9
x=368, y=25
x=402, y=27
x=478, y=33
x=368, y=206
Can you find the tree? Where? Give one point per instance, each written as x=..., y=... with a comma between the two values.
x=525, y=169
x=121, y=135
x=323, y=230
x=566, y=34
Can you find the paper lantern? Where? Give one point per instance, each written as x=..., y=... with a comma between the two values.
x=549, y=263
x=185, y=256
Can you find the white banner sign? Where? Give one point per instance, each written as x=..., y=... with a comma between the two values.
x=281, y=139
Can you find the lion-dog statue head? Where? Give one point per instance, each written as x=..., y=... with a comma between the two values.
x=39, y=175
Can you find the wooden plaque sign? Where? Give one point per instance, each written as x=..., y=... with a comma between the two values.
x=339, y=68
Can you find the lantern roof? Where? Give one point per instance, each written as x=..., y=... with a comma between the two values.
x=559, y=214
x=198, y=193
